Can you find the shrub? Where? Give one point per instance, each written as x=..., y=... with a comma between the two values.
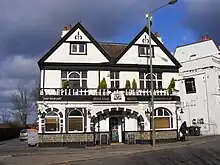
x=127, y=84
x=103, y=84
x=134, y=84
x=171, y=87
x=65, y=84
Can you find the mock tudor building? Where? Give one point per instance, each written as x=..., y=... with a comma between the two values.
x=98, y=93
x=199, y=84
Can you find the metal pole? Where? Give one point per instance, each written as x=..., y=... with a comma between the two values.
x=177, y=124
x=151, y=77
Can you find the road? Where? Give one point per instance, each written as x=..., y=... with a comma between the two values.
x=15, y=146
x=200, y=154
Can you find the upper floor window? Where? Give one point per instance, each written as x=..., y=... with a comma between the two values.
x=78, y=48
x=114, y=76
x=76, y=79
x=144, y=51
x=190, y=85
x=145, y=80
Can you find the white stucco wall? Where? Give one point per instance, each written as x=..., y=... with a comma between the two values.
x=129, y=76
x=52, y=79
x=62, y=53
x=131, y=57
x=205, y=102
x=130, y=123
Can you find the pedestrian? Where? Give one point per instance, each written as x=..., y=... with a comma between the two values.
x=183, y=130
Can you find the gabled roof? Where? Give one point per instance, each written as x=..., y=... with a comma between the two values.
x=113, y=49
x=64, y=38
x=164, y=49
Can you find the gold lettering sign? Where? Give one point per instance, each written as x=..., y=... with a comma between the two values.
x=101, y=99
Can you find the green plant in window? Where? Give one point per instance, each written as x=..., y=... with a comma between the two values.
x=65, y=84
x=134, y=84
x=103, y=84
x=127, y=84
x=171, y=87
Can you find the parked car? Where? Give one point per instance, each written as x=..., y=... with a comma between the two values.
x=23, y=134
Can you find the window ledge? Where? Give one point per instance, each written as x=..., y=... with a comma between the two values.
x=52, y=132
x=75, y=131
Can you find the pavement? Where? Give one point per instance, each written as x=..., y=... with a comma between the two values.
x=55, y=156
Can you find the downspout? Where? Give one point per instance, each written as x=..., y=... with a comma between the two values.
x=207, y=101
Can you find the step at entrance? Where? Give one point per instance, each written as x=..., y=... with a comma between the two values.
x=117, y=143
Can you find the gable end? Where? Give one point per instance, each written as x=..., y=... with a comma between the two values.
x=64, y=38
x=159, y=44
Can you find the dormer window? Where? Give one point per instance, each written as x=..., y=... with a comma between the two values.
x=144, y=51
x=78, y=49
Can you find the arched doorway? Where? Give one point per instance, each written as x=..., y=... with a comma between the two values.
x=116, y=120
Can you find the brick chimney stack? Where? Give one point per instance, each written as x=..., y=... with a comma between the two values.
x=66, y=29
x=205, y=38
x=158, y=37
x=156, y=34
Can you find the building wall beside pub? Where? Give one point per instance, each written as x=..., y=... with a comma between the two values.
x=201, y=107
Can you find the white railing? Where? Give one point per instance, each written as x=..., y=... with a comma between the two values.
x=97, y=92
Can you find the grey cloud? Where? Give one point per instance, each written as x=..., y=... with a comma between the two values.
x=15, y=71
x=203, y=17
x=19, y=67
x=31, y=27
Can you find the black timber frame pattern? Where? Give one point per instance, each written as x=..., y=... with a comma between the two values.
x=112, y=61
x=77, y=26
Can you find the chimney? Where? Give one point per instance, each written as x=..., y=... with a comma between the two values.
x=66, y=29
x=158, y=37
x=205, y=38
x=69, y=27
x=156, y=34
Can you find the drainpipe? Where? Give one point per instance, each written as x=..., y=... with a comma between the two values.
x=207, y=101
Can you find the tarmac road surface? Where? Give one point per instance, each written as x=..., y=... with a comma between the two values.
x=201, y=154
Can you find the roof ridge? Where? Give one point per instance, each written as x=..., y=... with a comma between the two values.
x=113, y=43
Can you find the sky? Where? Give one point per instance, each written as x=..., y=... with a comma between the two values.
x=29, y=28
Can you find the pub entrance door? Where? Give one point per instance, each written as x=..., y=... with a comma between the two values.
x=114, y=123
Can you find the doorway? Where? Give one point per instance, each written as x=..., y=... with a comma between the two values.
x=114, y=129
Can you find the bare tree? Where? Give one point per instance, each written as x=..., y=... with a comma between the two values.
x=22, y=104
x=35, y=91
x=5, y=115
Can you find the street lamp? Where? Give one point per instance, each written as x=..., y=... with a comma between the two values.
x=151, y=66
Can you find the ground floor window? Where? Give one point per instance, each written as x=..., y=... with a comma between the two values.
x=161, y=123
x=163, y=118
x=52, y=122
x=75, y=121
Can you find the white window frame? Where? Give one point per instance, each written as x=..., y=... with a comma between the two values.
x=163, y=116
x=146, y=51
x=75, y=117
x=77, y=48
x=80, y=77
x=47, y=117
x=155, y=79
x=115, y=79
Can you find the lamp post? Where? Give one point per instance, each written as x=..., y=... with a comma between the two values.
x=151, y=66
x=178, y=107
